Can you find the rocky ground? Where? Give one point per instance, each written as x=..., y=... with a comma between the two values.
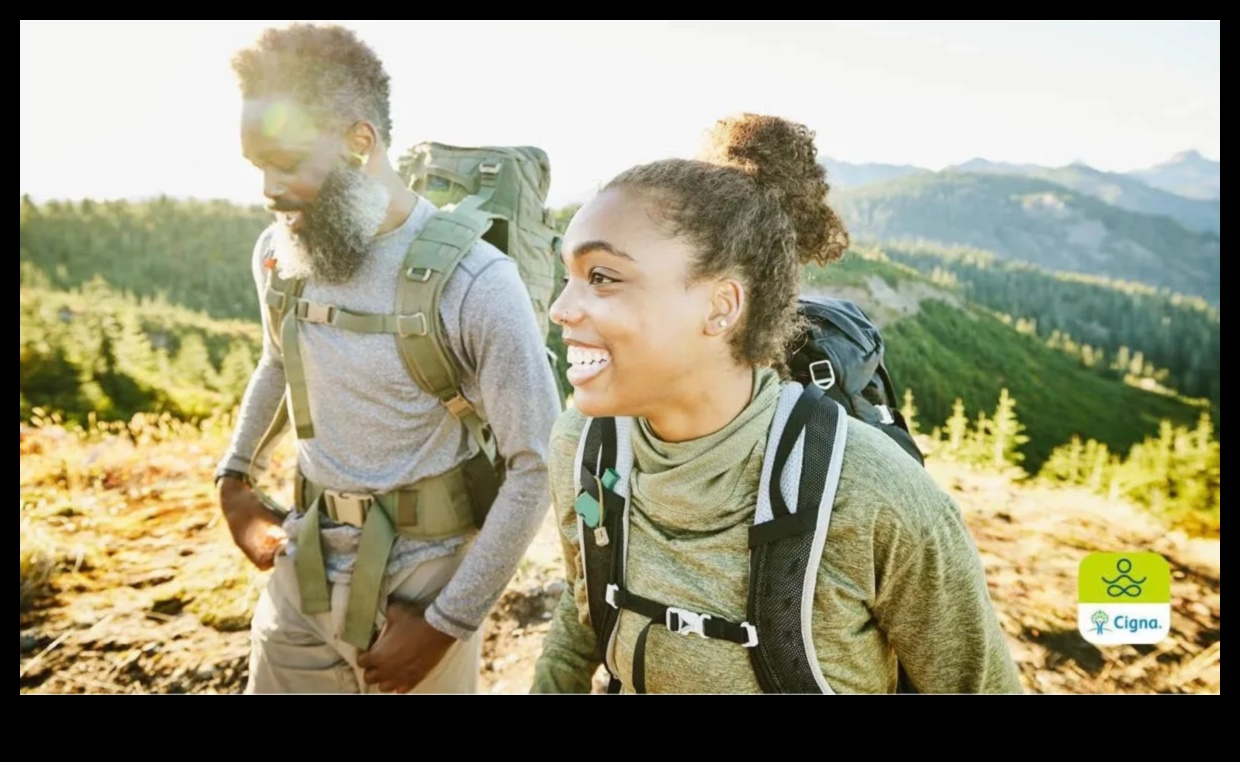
x=130, y=583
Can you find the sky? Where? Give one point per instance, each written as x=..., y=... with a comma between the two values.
x=126, y=109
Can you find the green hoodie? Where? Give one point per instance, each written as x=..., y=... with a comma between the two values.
x=900, y=575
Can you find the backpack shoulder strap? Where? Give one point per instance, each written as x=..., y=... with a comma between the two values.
x=601, y=482
x=280, y=293
x=787, y=538
x=429, y=263
x=278, y=301
x=281, y=300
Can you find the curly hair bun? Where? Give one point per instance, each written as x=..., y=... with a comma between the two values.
x=781, y=158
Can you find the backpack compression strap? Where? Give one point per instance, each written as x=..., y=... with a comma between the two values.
x=786, y=541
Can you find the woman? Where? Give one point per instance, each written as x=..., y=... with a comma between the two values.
x=678, y=309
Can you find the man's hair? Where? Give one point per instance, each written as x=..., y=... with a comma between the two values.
x=326, y=69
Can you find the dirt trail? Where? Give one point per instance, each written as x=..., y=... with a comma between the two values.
x=147, y=594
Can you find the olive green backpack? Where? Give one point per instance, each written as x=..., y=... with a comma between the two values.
x=494, y=193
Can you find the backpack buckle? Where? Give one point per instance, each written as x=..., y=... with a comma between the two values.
x=316, y=312
x=752, y=632
x=487, y=172
x=884, y=414
x=348, y=507
x=411, y=325
x=610, y=595
x=823, y=383
x=459, y=406
x=685, y=622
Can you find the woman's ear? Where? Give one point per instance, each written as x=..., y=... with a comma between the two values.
x=726, y=305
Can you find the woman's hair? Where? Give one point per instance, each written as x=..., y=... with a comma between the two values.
x=754, y=204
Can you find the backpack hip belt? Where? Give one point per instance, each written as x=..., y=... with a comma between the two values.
x=435, y=508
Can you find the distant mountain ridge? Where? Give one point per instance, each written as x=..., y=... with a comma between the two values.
x=1179, y=188
x=1123, y=190
x=1037, y=221
x=842, y=174
x=1188, y=174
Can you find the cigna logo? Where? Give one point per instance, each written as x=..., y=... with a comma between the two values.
x=1124, y=598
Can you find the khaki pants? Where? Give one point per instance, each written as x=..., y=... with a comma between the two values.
x=294, y=653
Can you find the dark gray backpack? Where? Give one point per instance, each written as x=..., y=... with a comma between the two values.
x=839, y=369
x=842, y=354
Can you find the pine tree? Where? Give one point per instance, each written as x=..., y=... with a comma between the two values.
x=1008, y=433
x=235, y=372
x=193, y=363
x=957, y=429
x=1097, y=459
x=909, y=411
x=1066, y=463
x=979, y=442
x=1123, y=358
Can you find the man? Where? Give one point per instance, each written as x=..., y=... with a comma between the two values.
x=315, y=121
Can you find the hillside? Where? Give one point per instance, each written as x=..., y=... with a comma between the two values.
x=103, y=353
x=941, y=347
x=1035, y=221
x=195, y=254
x=130, y=583
x=94, y=353
x=1119, y=327
x=1203, y=215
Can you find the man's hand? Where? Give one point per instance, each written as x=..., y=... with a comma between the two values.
x=405, y=652
x=256, y=530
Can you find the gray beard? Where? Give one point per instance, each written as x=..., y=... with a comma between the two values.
x=337, y=228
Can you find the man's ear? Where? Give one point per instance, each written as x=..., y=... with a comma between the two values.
x=361, y=141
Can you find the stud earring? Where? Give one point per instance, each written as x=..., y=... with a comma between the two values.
x=723, y=323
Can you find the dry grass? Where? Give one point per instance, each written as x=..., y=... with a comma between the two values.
x=131, y=583
x=38, y=562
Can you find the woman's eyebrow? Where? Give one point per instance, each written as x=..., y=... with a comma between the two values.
x=586, y=247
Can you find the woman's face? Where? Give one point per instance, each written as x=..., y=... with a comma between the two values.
x=638, y=334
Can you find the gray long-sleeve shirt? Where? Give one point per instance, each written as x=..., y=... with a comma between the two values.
x=376, y=430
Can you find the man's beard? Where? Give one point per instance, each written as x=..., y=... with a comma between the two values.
x=336, y=229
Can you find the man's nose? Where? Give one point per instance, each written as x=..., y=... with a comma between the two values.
x=273, y=189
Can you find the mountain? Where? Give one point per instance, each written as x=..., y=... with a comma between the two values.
x=998, y=167
x=842, y=174
x=1037, y=221
x=1188, y=173
x=1123, y=190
